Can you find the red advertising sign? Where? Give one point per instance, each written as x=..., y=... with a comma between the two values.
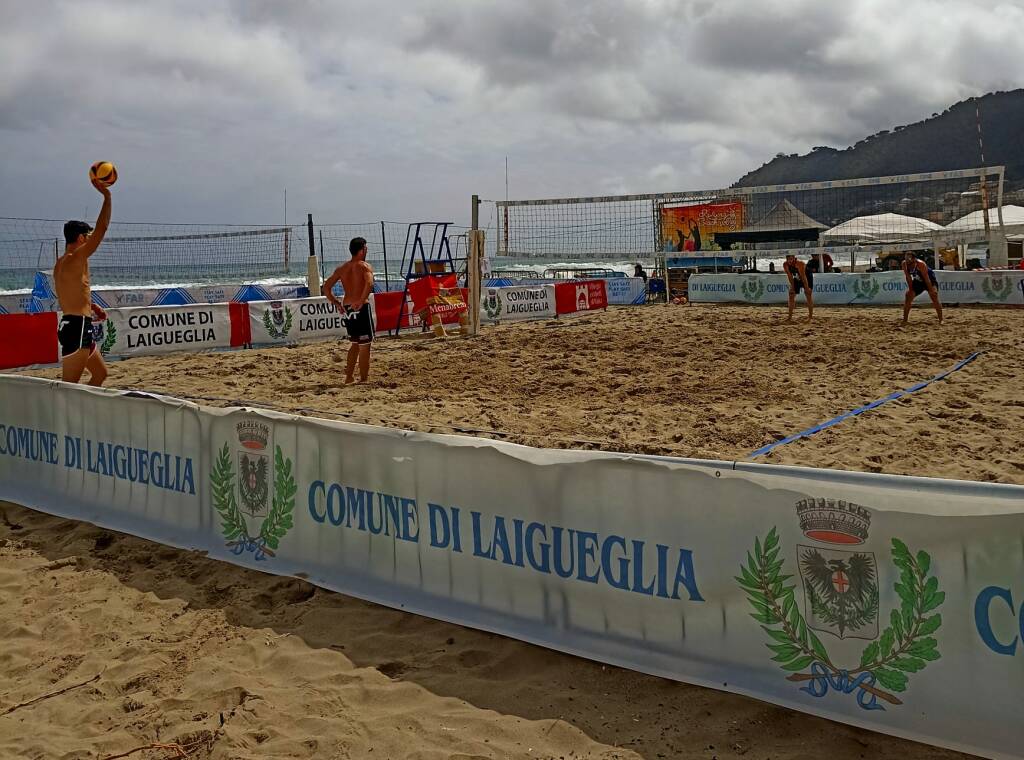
x=28, y=339
x=580, y=295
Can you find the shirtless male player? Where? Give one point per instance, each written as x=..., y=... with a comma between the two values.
x=356, y=277
x=78, y=350
x=919, y=278
x=800, y=278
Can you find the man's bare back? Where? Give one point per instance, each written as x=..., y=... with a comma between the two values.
x=353, y=276
x=356, y=277
x=71, y=280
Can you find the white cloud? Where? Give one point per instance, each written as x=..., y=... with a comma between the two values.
x=401, y=110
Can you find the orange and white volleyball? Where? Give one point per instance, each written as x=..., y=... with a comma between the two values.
x=103, y=172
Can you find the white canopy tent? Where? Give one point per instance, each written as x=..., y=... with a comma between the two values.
x=882, y=228
x=1013, y=222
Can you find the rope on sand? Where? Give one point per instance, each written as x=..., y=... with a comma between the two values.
x=867, y=407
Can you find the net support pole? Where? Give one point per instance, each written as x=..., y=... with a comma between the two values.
x=999, y=254
x=323, y=275
x=312, y=270
x=473, y=266
x=384, y=251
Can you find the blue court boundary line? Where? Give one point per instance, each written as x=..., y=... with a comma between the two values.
x=867, y=407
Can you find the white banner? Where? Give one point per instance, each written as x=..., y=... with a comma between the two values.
x=44, y=296
x=892, y=603
x=626, y=291
x=275, y=322
x=15, y=303
x=506, y=304
x=877, y=288
x=164, y=329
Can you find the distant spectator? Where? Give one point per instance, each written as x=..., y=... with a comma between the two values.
x=771, y=267
x=640, y=273
x=813, y=264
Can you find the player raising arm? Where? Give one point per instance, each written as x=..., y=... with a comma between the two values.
x=78, y=350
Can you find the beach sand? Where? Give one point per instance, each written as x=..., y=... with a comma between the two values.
x=237, y=664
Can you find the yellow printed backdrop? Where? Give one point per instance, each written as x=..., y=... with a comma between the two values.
x=692, y=228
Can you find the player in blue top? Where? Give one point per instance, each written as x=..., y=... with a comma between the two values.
x=920, y=278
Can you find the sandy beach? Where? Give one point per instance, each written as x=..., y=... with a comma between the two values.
x=232, y=663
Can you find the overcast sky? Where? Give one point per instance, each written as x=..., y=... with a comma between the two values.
x=401, y=109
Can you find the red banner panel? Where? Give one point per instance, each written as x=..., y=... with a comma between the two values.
x=28, y=339
x=580, y=295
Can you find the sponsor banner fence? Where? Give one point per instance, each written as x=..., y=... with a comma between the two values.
x=28, y=339
x=16, y=303
x=580, y=295
x=44, y=296
x=514, y=303
x=164, y=329
x=276, y=322
x=621, y=291
x=877, y=288
x=888, y=602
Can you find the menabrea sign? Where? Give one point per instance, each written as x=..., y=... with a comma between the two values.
x=513, y=303
x=294, y=320
x=876, y=288
x=882, y=601
x=163, y=329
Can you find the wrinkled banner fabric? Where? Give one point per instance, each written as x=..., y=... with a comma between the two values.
x=892, y=603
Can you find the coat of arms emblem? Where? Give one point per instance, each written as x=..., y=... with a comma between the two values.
x=277, y=319
x=865, y=287
x=997, y=286
x=841, y=586
x=492, y=304
x=257, y=512
x=752, y=289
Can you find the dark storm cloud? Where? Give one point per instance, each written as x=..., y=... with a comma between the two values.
x=366, y=109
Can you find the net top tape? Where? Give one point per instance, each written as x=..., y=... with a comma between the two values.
x=703, y=195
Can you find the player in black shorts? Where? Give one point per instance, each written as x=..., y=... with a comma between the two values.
x=356, y=277
x=800, y=278
x=919, y=279
x=359, y=324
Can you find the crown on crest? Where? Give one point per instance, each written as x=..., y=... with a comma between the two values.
x=833, y=521
x=253, y=434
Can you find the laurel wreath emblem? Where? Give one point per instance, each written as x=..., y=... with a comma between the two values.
x=904, y=647
x=996, y=292
x=233, y=525
x=492, y=313
x=752, y=289
x=865, y=287
x=269, y=323
x=109, y=337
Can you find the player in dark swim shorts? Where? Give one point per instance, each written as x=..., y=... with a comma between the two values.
x=800, y=278
x=359, y=324
x=75, y=333
x=356, y=278
x=920, y=278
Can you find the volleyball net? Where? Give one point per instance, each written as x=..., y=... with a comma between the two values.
x=144, y=254
x=905, y=212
